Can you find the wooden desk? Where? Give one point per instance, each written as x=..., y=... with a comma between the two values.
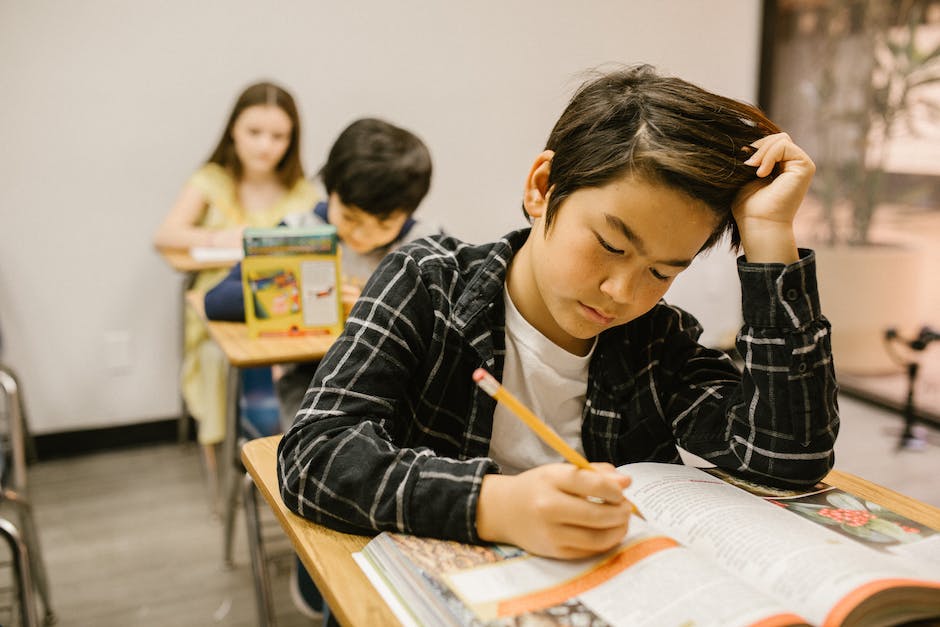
x=327, y=554
x=244, y=351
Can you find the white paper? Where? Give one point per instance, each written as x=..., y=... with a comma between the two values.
x=205, y=254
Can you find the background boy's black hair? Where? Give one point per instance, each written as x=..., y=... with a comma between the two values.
x=378, y=167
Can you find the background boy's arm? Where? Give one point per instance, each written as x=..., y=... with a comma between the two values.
x=226, y=301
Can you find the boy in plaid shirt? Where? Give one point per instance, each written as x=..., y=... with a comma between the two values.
x=641, y=173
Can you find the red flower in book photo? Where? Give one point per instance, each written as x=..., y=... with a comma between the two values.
x=859, y=519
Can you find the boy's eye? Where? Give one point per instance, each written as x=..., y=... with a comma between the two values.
x=606, y=246
x=659, y=276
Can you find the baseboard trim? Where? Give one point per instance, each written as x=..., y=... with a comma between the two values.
x=83, y=441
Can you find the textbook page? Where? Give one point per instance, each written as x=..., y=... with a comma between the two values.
x=648, y=581
x=803, y=565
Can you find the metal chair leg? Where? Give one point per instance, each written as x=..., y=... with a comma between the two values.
x=231, y=468
x=30, y=536
x=28, y=440
x=182, y=421
x=231, y=512
x=259, y=559
x=21, y=567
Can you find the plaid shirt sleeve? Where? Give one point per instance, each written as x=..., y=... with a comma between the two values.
x=779, y=422
x=341, y=464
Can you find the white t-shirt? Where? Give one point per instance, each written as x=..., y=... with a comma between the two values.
x=548, y=380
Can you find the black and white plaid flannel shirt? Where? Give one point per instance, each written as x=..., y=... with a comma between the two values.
x=393, y=434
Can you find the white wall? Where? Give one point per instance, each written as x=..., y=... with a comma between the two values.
x=107, y=106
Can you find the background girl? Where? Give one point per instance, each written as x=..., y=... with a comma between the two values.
x=254, y=177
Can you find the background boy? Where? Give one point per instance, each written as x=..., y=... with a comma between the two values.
x=375, y=177
x=640, y=174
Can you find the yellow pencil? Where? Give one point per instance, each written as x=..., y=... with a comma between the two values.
x=494, y=388
x=491, y=386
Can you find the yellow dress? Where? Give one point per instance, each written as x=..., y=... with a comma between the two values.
x=205, y=368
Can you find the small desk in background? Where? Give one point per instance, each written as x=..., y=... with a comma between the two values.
x=243, y=351
x=327, y=554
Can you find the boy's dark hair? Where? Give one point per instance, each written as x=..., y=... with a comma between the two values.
x=378, y=167
x=289, y=169
x=661, y=129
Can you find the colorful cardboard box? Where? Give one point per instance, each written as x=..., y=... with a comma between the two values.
x=291, y=280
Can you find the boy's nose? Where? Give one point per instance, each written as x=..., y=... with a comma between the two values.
x=621, y=287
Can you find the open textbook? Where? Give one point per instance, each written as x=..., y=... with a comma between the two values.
x=708, y=553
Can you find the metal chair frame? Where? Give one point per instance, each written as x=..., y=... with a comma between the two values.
x=23, y=539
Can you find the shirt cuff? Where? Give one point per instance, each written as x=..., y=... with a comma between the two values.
x=779, y=295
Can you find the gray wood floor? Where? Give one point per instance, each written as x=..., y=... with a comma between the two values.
x=129, y=538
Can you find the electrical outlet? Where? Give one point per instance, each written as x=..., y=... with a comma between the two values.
x=117, y=351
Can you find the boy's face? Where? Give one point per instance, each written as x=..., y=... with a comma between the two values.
x=609, y=256
x=361, y=231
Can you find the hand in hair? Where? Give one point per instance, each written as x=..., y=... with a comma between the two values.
x=765, y=209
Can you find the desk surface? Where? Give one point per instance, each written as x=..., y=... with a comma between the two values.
x=244, y=351
x=181, y=260
x=328, y=554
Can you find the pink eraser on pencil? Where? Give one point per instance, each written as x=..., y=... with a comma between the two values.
x=479, y=374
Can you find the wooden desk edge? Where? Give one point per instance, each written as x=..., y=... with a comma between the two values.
x=243, y=351
x=358, y=609
x=914, y=509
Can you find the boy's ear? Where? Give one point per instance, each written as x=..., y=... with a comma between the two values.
x=537, y=191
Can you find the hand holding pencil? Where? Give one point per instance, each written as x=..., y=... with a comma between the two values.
x=556, y=510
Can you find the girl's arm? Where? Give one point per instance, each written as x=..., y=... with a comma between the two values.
x=180, y=227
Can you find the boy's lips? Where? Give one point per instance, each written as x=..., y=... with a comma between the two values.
x=597, y=315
